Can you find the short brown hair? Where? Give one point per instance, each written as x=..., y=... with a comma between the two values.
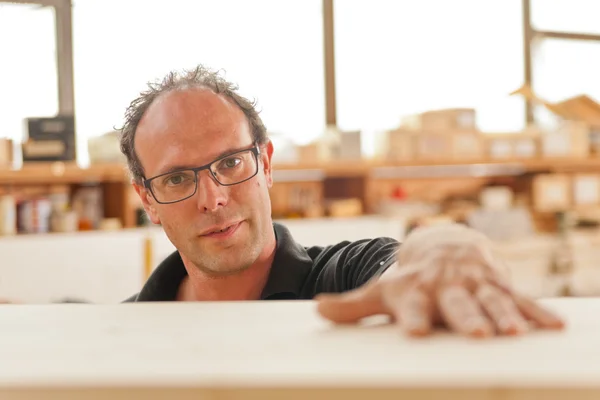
x=199, y=77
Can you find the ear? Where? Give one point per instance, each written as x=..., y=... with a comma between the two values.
x=266, y=156
x=147, y=202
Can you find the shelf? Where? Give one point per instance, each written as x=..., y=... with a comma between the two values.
x=446, y=167
x=63, y=173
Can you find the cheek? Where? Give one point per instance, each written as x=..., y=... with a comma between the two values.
x=254, y=195
x=173, y=215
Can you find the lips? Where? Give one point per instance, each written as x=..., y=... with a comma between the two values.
x=222, y=229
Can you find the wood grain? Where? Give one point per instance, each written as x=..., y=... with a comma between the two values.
x=268, y=350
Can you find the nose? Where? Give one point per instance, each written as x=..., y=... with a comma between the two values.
x=210, y=195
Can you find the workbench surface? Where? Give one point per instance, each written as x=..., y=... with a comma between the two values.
x=281, y=349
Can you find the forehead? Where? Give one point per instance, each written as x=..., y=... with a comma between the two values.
x=188, y=128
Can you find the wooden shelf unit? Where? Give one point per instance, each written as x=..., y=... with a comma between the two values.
x=367, y=180
x=57, y=173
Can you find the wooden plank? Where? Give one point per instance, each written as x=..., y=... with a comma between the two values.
x=282, y=350
x=64, y=173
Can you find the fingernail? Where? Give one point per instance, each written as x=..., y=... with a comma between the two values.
x=506, y=325
x=417, y=328
x=478, y=327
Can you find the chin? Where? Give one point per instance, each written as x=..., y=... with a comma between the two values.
x=221, y=268
x=229, y=260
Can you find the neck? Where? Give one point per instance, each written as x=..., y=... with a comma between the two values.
x=244, y=285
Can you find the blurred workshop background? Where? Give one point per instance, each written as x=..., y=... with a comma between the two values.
x=385, y=115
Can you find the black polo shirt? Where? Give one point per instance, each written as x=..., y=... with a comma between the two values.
x=297, y=272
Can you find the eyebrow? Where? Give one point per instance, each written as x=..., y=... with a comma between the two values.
x=181, y=167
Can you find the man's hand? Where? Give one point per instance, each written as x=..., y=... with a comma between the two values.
x=443, y=276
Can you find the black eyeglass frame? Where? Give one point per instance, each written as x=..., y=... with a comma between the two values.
x=255, y=150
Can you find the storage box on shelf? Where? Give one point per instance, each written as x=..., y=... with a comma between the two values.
x=332, y=146
x=443, y=119
x=50, y=139
x=556, y=192
x=39, y=182
x=402, y=145
x=586, y=190
x=570, y=139
x=6, y=153
x=297, y=199
x=551, y=192
x=512, y=145
x=297, y=193
x=394, y=145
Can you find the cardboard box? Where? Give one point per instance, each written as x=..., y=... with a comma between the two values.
x=349, y=147
x=586, y=190
x=467, y=144
x=351, y=207
x=314, y=153
x=6, y=153
x=445, y=119
x=552, y=192
x=433, y=145
x=512, y=145
x=572, y=139
x=394, y=145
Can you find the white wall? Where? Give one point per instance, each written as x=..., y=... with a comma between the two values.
x=107, y=267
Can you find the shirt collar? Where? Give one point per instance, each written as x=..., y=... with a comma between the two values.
x=291, y=266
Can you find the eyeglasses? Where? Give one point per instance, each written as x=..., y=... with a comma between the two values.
x=228, y=170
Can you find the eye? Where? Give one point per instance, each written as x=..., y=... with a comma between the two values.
x=175, y=179
x=230, y=162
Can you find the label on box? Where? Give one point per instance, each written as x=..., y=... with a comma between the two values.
x=500, y=148
x=466, y=120
x=556, y=144
x=587, y=190
x=467, y=144
x=525, y=148
x=43, y=148
x=555, y=194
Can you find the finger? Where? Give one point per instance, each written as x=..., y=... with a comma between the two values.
x=538, y=315
x=462, y=313
x=414, y=311
x=501, y=309
x=541, y=316
x=352, y=306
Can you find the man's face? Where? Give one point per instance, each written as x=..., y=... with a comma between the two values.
x=191, y=128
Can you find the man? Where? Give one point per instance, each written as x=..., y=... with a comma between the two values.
x=200, y=161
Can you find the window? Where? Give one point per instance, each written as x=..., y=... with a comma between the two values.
x=395, y=58
x=28, y=76
x=576, y=16
x=563, y=69
x=272, y=49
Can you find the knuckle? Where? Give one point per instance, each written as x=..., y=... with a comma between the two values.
x=486, y=293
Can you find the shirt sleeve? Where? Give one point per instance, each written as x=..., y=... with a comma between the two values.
x=349, y=265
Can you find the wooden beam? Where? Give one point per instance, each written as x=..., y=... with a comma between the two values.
x=329, y=59
x=527, y=59
x=566, y=35
x=53, y=3
x=64, y=58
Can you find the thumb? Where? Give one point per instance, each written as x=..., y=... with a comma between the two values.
x=353, y=305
